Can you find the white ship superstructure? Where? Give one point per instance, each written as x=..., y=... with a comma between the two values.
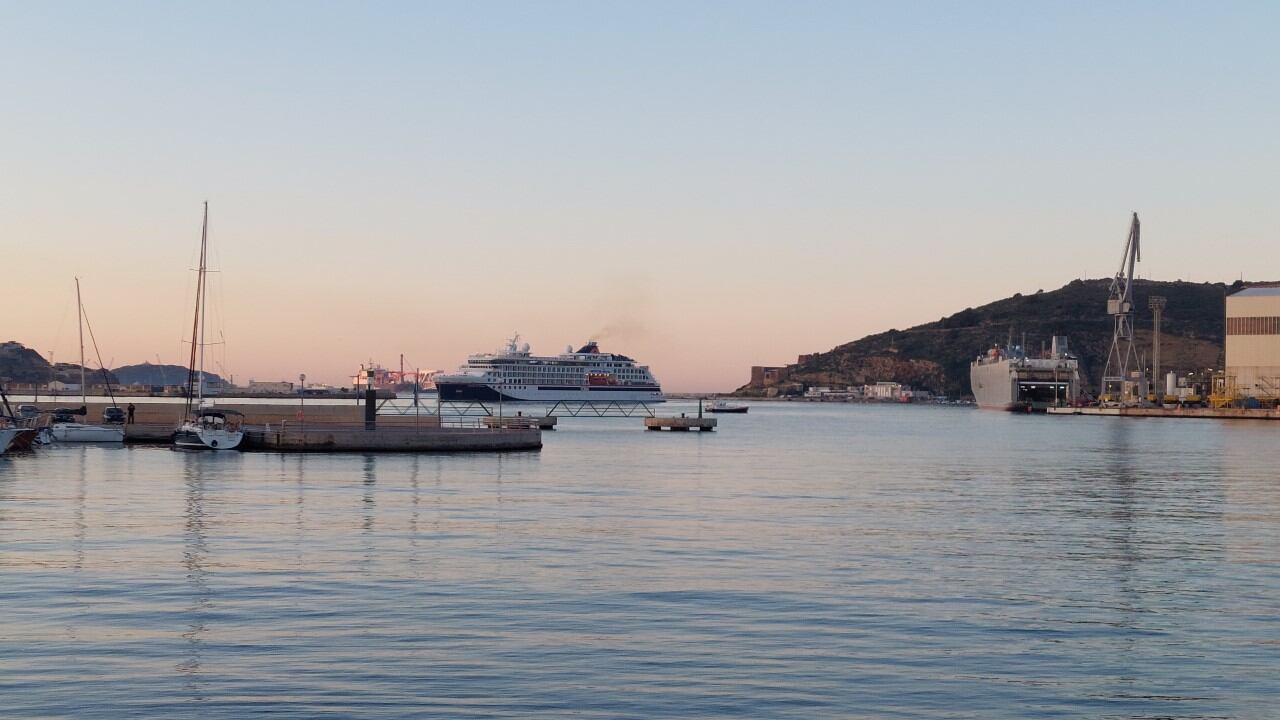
x=1004, y=378
x=513, y=374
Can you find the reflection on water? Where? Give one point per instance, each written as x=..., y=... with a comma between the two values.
x=803, y=561
x=194, y=552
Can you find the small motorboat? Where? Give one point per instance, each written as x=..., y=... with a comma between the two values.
x=723, y=406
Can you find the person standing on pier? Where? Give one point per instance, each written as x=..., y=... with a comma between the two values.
x=131, y=408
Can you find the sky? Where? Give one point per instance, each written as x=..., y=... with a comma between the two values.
x=703, y=186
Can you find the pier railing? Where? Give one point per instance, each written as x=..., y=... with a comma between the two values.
x=429, y=424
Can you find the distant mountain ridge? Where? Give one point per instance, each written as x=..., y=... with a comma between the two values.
x=20, y=364
x=936, y=355
x=149, y=374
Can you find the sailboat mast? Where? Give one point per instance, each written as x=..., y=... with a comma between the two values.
x=204, y=234
x=195, y=320
x=80, y=326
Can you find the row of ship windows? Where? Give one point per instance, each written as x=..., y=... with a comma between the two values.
x=616, y=367
x=508, y=381
x=576, y=374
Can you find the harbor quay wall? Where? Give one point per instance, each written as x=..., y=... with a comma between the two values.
x=393, y=440
x=1173, y=412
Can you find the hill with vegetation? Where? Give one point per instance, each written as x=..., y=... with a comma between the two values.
x=149, y=374
x=20, y=364
x=936, y=356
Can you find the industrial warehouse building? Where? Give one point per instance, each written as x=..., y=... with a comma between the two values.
x=1253, y=341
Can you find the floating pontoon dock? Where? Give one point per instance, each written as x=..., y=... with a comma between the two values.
x=680, y=424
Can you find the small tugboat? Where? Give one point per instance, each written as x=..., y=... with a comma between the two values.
x=723, y=406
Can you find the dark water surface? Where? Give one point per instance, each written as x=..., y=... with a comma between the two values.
x=805, y=561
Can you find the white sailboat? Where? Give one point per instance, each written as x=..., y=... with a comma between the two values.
x=71, y=431
x=204, y=428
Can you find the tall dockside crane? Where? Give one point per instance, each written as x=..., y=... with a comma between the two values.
x=1122, y=356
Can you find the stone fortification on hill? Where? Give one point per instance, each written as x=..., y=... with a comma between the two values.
x=936, y=356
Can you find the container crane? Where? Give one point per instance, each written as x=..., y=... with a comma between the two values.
x=1122, y=356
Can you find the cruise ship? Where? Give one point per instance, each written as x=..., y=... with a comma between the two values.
x=1006, y=379
x=513, y=374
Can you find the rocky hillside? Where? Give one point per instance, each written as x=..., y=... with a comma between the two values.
x=20, y=364
x=148, y=374
x=936, y=355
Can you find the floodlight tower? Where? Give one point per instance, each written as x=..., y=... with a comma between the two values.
x=1156, y=303
x=1120, y=306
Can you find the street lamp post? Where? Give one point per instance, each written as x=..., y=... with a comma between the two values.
x=302, y=399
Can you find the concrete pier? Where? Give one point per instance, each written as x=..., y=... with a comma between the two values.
x=521, y=421
x=1172, y=412
x=321, y=439
x=680, y=424
x=149, y=433
x=171, y=413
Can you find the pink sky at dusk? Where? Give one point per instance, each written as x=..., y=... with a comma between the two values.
x=738, y=187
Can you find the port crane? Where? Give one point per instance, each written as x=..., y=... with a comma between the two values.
x=1122, y=356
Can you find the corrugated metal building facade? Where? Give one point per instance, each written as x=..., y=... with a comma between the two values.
x=1253, y=341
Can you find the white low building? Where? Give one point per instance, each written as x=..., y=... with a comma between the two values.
x=280, y=387
x=891, y=391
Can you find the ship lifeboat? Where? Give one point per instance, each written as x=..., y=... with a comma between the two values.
x=601, y=379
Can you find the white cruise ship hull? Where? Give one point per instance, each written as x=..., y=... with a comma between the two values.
x=81, y=433
x=482, y=392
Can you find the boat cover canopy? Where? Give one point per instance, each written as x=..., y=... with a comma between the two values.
x=219, y=413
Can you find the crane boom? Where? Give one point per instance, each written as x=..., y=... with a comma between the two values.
x=1122, y=284
x=1120, y=308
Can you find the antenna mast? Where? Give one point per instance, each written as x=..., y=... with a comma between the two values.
x=1122, y=356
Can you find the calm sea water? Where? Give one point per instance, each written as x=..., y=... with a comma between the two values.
x=805, y=561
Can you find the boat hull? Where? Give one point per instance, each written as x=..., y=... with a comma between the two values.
x=1009, y=386
x=13, y=439
x=81, y=433
x=25, y=439
x=736, y=410
x=481, y=392
x=207, y=439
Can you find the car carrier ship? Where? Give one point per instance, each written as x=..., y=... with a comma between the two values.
x=1004, y=378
